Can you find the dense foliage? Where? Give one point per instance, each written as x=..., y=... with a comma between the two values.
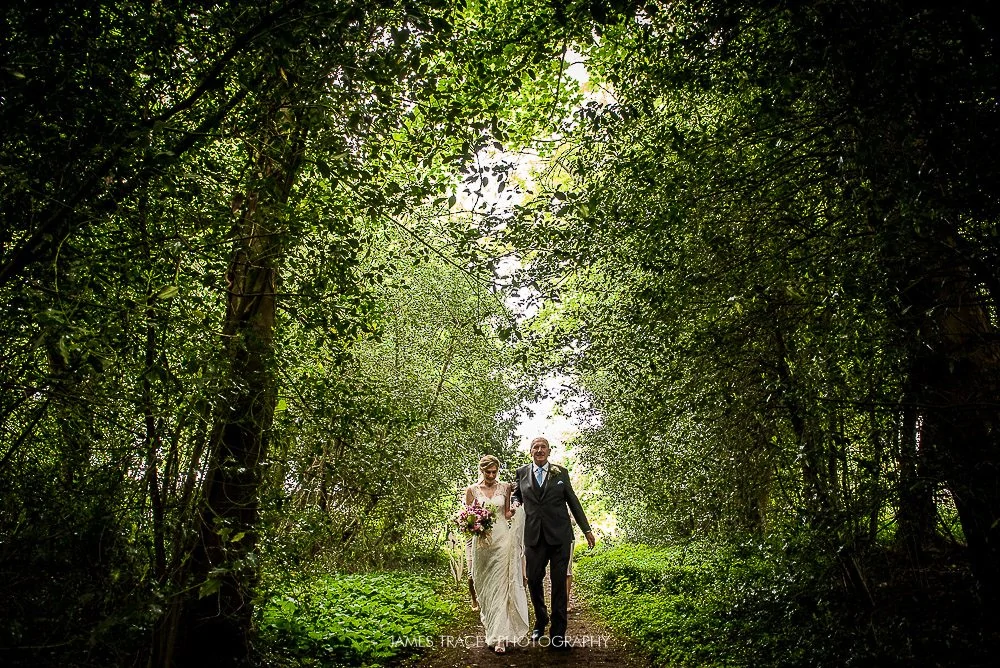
x=766, y=250
x=242, y=331
x=249, y=258
x=760, y=604
x=765, y=253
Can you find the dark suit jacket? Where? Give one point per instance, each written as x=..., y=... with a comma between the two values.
x=545, y=509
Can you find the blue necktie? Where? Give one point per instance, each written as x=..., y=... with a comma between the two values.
x=539, y=475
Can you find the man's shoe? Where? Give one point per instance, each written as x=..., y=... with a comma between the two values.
x=536, y=634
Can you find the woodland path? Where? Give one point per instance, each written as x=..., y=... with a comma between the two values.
x=462, y=645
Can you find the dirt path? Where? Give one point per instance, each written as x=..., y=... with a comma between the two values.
x=463, y=645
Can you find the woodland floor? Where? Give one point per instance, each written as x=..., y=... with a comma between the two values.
x=463, y=645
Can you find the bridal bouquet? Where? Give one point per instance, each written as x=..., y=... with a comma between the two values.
x=475, y=519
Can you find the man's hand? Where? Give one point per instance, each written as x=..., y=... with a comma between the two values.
x=590, y=540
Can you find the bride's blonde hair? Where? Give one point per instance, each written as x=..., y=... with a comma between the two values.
x=487, y=461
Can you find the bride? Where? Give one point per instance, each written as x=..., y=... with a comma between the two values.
x=496, y=561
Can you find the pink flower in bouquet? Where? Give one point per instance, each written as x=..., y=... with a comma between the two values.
x=474, y=519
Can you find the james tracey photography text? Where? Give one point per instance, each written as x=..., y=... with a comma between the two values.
x=480, y=641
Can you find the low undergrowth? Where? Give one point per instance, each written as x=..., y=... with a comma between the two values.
x=753, y=605
x=349, y=620
x=694, y=606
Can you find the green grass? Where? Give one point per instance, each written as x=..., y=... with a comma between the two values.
x=350, y=620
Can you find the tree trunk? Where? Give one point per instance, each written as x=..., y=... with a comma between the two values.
x=215, y=622
x=960, y=392
x=915, y=510
x=811, y=460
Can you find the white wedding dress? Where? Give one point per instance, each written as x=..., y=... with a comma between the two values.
x=496, y=572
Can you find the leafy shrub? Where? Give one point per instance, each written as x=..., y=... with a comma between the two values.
x=697, y=605
x=341, y=620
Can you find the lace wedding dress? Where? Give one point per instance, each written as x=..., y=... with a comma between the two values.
x=496, y=571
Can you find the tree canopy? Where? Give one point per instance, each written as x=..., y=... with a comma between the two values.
x=255, y=278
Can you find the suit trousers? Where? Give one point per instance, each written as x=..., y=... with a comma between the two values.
x=556, y=557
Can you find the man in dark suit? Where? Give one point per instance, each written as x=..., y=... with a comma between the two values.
x=544, y=491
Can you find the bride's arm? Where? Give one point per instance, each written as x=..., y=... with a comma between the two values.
x=468, y=495
x=507, y=512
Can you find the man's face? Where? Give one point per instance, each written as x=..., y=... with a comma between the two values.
x=540, y=452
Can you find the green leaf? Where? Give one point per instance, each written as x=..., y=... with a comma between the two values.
x=166, y=292
x=209, y=587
